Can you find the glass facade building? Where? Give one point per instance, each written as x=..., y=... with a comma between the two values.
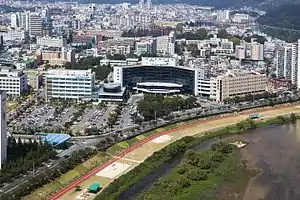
x=162, y=74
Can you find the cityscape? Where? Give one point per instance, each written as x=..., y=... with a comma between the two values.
x=148, y=101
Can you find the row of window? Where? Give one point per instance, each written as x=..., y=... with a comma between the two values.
x=69, y=83
x=69, y=79
x=69, y=91
x=69, y=95
x=71, y=87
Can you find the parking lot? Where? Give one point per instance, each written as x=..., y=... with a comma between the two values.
x=37, y=116
x=92, y=118
x=61, y=118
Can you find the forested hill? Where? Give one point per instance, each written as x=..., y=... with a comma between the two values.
x=285, y=16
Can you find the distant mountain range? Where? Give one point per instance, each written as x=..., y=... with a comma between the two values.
x=266, y=4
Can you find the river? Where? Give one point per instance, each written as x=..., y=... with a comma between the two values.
x=273, y=150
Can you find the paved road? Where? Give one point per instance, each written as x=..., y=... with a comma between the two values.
x=127, y=110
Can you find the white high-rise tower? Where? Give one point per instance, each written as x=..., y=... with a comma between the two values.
x=149, y=4
x=3, y=130
x=141, y=2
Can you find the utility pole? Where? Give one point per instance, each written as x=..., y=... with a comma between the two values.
x=155, y=115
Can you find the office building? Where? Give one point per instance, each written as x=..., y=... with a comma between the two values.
x=3, y=129
x=35, y=24
x=157, y=75
x=14, y=82
x=51, y=41
x=238, y=83
x=69, y=84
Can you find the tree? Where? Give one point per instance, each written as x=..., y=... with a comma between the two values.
x=179, y=28
x=293, y=117
x=222, y=33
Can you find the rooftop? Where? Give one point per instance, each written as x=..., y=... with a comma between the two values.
x=53, y=138
x=65, y=72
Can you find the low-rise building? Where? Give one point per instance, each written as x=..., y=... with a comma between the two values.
x=70, y=84
x=111, y=92
x=145, y=47
x=112, y=63
x=58, y=56
x=13, y=35
x=14, y=82
x=51, y=41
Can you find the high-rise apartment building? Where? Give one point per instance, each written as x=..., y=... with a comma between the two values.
x=165, y=45
x=46, y=15
x=284, y=56
x=3, y=125
x=250, y=51
x=288, y=62
x=141, y=4
x=149, y=4
x=14, y=21
x=223, y=16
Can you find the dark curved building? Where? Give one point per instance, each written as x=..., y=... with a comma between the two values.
x=130, y=76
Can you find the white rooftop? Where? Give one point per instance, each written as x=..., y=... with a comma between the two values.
x=64, y=72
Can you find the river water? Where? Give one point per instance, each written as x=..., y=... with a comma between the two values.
x=275, y=150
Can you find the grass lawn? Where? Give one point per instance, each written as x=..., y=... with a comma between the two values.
x=140, y=137
x=70, y=175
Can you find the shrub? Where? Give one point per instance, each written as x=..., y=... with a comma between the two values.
x=197, y=175
x=182, y=168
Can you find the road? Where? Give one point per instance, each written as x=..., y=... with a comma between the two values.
x=181, y=129
x=127, y=110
